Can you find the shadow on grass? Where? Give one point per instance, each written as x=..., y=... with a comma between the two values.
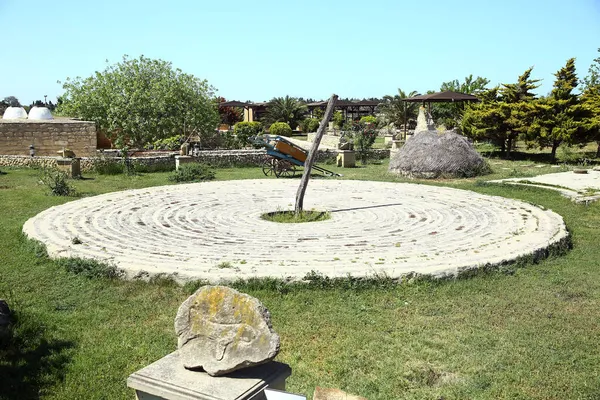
x=366, y=207
x=30, y=360
x=540, y=158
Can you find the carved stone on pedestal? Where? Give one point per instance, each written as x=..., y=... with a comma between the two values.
x=167, y=379
x=222, y=330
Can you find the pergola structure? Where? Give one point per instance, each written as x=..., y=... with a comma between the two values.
x=439, y=97
x=442, y=97
x=352, y=110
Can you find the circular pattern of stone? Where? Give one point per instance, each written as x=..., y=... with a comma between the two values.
x=213, y=230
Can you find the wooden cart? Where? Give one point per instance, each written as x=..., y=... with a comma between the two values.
x=284, y=157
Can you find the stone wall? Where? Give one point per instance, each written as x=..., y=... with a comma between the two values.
x=218, y=158
x=48, y=137
x=25, y=161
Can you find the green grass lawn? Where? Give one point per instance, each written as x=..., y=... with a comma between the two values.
x=527, y=331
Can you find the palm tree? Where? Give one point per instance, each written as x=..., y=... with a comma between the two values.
x=397, y=111
x=285, y=109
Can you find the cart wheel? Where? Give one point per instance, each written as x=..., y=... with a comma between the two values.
x=268, y=166
x=284, y=168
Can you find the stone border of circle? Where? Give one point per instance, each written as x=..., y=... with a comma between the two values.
x=217, y=235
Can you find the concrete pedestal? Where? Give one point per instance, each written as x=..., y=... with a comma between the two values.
x=167, y=379
x=346, y=158
x=72, y=166
x=388, y=139
x=179, y=160
x=396, y=145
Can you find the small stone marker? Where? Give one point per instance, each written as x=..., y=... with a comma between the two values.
x=222, y=330
x=333, y=394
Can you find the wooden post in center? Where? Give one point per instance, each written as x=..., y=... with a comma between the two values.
x=312, y=154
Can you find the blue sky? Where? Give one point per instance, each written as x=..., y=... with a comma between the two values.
x=256, y=50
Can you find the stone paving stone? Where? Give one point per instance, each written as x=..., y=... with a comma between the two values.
x=213, y=230
x=577, y=186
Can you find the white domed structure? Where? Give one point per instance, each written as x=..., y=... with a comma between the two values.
x=15, y=113
x=40, y=113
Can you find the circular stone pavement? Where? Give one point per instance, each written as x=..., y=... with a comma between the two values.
x=213, y=230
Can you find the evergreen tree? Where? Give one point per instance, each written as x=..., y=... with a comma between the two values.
x=559, y=117
x=590, y=100
x=593, y=78
x=519, y=102
x=503, y=114
x=485, y=120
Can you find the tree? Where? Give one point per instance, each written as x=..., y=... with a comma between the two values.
x=229, y=115
x=559, y=117
x=519, y=103
x=450, y=114
x=11, y=101
x=593, y=78
x=503, y=113
x=399, y=112
x=486, y=120
x=285, y=109
x=37, y=103
x=142, y=100
x=590, y=100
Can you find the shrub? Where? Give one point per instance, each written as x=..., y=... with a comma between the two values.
x=140, y=167
x=338, y=119
x=107, y=166
x=368, y=119
x=363, y=135
x=228, y=140
x=244, y=130
x=90, y=268
x=56, y=181
x=309, y=125
x=170, y=143
x=280, y=129
x=193, y=173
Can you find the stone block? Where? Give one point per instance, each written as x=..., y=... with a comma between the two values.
x=72, y=166
x=387, y=139
x=346, y=158
x=167, y=379
x=396, y=145
x=180, y=160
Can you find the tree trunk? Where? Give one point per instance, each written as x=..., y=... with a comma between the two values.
x=555, y=144
x=503, y=148
x=598, y=150
x=509, y=145
x=312, y=154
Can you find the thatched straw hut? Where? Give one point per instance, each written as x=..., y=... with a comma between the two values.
x=432, y=155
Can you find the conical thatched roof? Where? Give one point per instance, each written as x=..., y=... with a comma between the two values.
x=431, y=155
